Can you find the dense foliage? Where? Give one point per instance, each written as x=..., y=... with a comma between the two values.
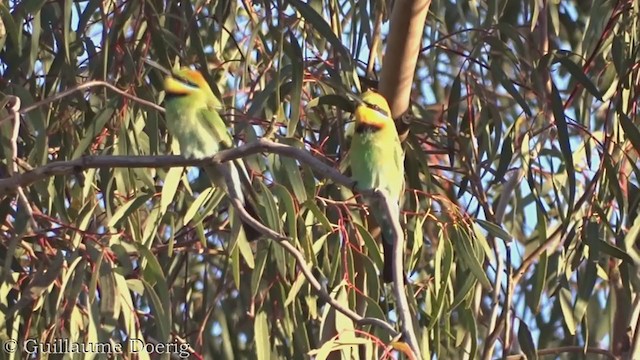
x=522, y=179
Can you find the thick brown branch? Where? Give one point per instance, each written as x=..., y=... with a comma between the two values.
x=57, y=168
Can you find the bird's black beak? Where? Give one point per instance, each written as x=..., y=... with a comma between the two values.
x=355, y=100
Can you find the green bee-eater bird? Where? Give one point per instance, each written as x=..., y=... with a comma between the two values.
x=193, y=120
x=377, y=162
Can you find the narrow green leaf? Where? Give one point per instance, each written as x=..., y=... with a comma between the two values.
x=286, y=201
x=578, y=74
x=526, y=341
x=418, y=241
x=553, y=10
x=197, y=204
x=124, y=211
x=618, y=54
x=499, y=46
x=257, y=273
x=373, y=249
x=234, y=257
x=291, y=170
x=161, y=315
x=564, y=141
x=297, y=77
x=12, y=29
x=321, y=218
x=469, y=320
x=462, y=244
x=481, y=240
x=66, y=28
x=261, y=336
x=67, y=274
x=539, y=282
x=271, y=209
x=37, y=125
x=443, y=266
x=343, y=323
x=320, y=25
x=113, y=293
x=95, y=127
x=600, y=245
x=631, y=239
x=239, y=241
x=210, y=203
x=295, y=289
x=261, y=98
x=34, y=49
x=453, y=108
x=510, y=88
x=611, y=173
x=506, y=154
x=630, y=129
x=494, y=230
x=170, y=187
x=567, y=310
x=463, y=291
x=587, y=277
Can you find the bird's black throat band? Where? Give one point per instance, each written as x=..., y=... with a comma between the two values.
x=171, y=96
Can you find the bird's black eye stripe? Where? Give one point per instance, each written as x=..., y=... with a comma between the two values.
x=377, y=108
x=171, y=95
x=186, y=81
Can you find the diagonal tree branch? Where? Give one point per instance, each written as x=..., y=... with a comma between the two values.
x=404, y=311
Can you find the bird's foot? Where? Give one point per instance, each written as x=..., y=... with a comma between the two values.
x=354, y=186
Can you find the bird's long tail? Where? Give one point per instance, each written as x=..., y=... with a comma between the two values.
x=386, y=228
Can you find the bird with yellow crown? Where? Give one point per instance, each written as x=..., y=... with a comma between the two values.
x=377, y=162
x=193, y=120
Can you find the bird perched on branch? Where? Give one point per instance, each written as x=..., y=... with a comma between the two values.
x=377, y=162
x=193, y=120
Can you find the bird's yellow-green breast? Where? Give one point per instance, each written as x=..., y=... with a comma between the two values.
x=377, y=160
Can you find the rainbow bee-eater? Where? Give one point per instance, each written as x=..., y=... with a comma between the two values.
x=377, y=162
x=193, y=120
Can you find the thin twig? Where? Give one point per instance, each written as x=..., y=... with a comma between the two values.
x=83, y=86
x=239, y=205
x=14, y=111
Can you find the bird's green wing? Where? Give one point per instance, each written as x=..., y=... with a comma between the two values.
x=211, y=121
